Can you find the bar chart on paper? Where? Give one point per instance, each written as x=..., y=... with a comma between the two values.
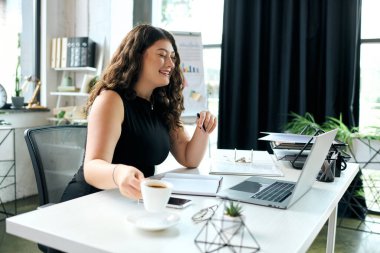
x=245, y=163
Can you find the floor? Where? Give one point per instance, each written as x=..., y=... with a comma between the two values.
x=347, y=240
x=13, y=244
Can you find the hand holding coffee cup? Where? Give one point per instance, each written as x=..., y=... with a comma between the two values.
x=156, y=194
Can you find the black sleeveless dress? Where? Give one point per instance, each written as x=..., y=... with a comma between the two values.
x=144, y=142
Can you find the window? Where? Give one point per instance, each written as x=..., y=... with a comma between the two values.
x=369, y=114
x=190, y=16
x=18, y=33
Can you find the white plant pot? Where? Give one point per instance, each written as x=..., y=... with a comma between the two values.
x=231, y=226
x=363, y=151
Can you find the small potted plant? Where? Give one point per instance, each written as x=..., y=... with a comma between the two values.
x=232, y=220
x=233, y=209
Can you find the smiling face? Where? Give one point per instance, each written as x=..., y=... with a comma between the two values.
x=158, y=64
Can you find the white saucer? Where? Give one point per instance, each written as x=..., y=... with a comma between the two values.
x=153, y=221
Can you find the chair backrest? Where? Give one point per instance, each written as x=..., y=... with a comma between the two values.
x=57, y=152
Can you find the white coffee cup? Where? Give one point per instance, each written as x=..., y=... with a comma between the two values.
x=156, y=194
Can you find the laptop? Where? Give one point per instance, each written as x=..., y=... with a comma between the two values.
x=280, y=193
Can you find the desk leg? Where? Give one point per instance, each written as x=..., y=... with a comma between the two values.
x=331, y=231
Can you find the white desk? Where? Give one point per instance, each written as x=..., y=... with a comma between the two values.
x=97, y=223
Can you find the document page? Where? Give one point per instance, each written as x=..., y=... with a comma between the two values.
x=244, y=162
x=286, y=137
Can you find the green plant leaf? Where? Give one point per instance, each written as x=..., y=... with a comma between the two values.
x=344, y=133
x=302, y=124
x=233, y=209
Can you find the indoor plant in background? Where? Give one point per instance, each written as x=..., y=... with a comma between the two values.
x=307, y=125
x=18, y=99
x=302, y=124
x=363, y=147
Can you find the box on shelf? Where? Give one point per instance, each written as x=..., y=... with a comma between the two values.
x=67, y=88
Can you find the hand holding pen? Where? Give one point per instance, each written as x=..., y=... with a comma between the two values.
x=206, y=121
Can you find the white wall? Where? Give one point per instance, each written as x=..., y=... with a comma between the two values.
x=105, y=22
x=121, y=22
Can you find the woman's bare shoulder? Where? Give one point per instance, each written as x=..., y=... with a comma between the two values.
x=109, y=94
x=108, y=103
x=108, y=97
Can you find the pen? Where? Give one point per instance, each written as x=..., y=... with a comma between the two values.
x=203, y=126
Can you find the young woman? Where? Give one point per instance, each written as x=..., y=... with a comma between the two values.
x=134, y=117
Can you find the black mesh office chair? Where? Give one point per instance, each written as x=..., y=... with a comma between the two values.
x=57, y=153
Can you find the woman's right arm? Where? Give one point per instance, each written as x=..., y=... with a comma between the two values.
x=104, y=129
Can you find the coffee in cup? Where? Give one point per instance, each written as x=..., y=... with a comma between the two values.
x=156, y=194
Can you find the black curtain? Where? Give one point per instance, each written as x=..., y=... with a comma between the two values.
x=282, y=56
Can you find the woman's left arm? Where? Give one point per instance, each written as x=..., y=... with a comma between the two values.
x=190, y=151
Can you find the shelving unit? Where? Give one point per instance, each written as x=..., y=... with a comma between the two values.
x=65, y=72
x=77, y=121
x=60, y=94
x=74, y=106
x=69, y=93
x=76, y=69
x=7, y=168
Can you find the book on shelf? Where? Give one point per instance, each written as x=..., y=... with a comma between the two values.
x=64, y=52
x=76, y=49
x=53, y=52
x=84, y=51
x=73, y=52
x=87, y=52
x=58, y=53
x=193, y=184
x=70, y=52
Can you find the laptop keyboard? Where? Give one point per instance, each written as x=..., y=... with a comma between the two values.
x=276, y=192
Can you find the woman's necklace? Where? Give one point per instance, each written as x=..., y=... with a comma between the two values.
x=151, y=103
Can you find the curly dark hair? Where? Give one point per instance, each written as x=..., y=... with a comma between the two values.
x=123, y=72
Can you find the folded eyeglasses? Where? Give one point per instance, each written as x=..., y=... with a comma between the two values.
x=204, y=214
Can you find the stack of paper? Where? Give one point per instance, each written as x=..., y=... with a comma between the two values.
x=292, y=141
x=287, y=146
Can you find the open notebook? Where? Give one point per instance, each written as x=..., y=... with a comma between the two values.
x=193, y=184
x=245, y=163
